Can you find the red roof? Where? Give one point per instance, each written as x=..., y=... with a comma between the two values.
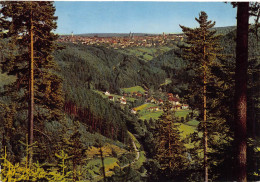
x=174, y=99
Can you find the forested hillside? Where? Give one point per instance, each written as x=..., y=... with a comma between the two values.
x=167, y=65
x=164, y=112
x=85, y=69
x=105, y=69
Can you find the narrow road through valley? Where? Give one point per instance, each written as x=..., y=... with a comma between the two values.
x=136, y=157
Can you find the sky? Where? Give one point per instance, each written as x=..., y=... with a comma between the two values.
x=137, y=17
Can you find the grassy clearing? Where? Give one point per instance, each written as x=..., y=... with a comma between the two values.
x=182, y=113
x=153, y=115
x=110, y=163
x=106, y=149
x=140, y=161
x=134, y=89
x=144, y=113
x=144, y=107
x=95, y=165
x=193, y=122
x=186, y=129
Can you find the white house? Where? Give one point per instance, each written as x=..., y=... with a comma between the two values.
x=107, y=93
x=123, y=101
x=185, y=106
x=133, y=111
x=111, y=98
x=174, y=101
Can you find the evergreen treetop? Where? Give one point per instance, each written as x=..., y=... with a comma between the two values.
x=16, y=25
x=202, y=45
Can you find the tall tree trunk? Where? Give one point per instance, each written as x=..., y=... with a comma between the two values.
x=102, y=160
x=31, y=96
x=169, y=143
x=205, y=136
x=241, y=90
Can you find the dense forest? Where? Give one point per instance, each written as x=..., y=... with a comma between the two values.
x=58, y=124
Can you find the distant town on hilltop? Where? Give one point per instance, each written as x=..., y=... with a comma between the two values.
x=122, y=40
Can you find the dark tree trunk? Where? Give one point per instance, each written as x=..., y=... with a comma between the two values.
x=31, y=95
x=241, y=91
x=89, y=119
x=205, y=134
x=102, y=160
x=74, y=170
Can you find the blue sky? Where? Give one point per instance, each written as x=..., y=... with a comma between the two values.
x=138, y=17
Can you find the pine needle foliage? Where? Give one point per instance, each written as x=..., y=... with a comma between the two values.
x=77, y=151
x=19, y=21
x=170, y=149
x=201, y=50
x=48, y=88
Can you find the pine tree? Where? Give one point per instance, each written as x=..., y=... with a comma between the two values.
x=29, y=26
x=170, y=150
x=201, y=50
x=74, y=147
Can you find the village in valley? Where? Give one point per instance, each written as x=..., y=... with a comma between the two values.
x=149, y=102
x=123, y=41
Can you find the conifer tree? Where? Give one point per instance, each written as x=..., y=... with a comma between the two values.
x=29, y=26
x=75, y=148
x=170, y=150
x=201, y=50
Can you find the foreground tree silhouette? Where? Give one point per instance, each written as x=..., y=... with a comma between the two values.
x=201, y=50
x=29, y=26
x=240, y=114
